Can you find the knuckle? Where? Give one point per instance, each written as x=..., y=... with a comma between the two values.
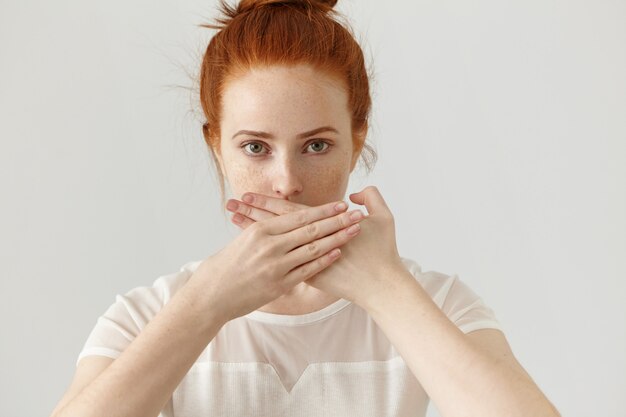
x=263, y=270
x=300, y=219
x=246, y=210
x=322, y=262
x=313, y=249
x=256, y=229
x=305, y=270
x=273, y=271
x=272, y=246
x=270, y=270
x=312, y=230
x=372, y=189
x=343, y=221
x=260, y=201
x=342, y=237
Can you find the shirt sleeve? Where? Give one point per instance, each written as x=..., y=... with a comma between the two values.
x=466, y=309
x=456, y=299
x=122, y=322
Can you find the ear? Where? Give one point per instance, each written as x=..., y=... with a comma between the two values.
x=355, y=158
x=357, y=151
x=211, y=139
x=218, y=158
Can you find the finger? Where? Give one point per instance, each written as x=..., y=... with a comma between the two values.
x=242, y=221
x=290, y=221
x=313, y=251
x=317, y=248
x=319, y=229
x=372, y=199
x=248, y=211
x=275, y=205
x=309, y=269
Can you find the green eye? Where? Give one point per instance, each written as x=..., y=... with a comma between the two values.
x=254, y=149
x=318, y=149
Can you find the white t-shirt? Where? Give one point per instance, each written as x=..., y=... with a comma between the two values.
x=334, y=361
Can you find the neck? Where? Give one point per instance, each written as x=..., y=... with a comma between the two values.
x=301, y=299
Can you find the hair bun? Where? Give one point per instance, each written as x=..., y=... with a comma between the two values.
x=324, y=5
x=329, y=3
x=229, y=13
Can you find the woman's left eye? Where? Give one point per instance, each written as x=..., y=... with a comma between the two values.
x=320, y=148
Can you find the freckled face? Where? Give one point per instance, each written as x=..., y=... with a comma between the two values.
x=284, y=103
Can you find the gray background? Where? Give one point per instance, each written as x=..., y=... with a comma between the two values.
x=500, y=128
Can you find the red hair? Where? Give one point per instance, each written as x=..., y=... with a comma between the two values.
x=262, y=33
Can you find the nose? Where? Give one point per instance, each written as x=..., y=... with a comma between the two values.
x=286, y=181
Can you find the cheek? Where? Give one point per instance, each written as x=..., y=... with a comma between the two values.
x=322, y=182
x=244, y=177
x=328, y=180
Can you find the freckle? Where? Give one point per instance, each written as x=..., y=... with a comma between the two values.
x=327, y=177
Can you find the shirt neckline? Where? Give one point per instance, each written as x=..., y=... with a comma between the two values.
x=303, y=319
x=298, y=319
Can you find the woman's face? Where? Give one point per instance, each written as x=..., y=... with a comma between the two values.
x=263, y=147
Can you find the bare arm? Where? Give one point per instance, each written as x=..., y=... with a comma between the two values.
x=464, y=375
x=263, y=262
x=143, y=378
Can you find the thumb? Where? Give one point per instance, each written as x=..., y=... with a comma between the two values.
x=371, y=198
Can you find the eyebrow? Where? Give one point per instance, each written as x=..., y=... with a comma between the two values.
x=300, y=136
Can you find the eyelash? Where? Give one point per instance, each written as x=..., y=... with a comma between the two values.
x=256, y=155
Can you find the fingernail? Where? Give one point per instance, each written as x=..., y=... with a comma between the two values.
x=232, y=205
x=248, y=198
x=341, y=206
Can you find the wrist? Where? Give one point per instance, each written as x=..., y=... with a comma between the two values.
x=398, y=284
x=203, y=303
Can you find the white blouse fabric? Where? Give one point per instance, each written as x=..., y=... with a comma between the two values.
x=332, y=362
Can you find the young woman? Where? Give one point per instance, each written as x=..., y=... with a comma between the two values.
x=310, y=311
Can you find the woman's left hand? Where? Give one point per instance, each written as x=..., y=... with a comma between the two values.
x=369, y=263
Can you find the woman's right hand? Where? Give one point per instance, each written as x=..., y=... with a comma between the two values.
x=273, y=255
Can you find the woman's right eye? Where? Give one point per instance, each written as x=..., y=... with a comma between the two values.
x=254, y=148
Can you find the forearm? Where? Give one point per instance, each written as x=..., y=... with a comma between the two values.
x=142, y=379
x=460, y=378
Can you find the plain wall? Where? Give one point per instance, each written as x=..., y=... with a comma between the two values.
x=501, y=134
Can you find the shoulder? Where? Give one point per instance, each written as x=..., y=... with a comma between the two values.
x=461, y=304
x=149, y=299
x=170, y=283
x=437, y=284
